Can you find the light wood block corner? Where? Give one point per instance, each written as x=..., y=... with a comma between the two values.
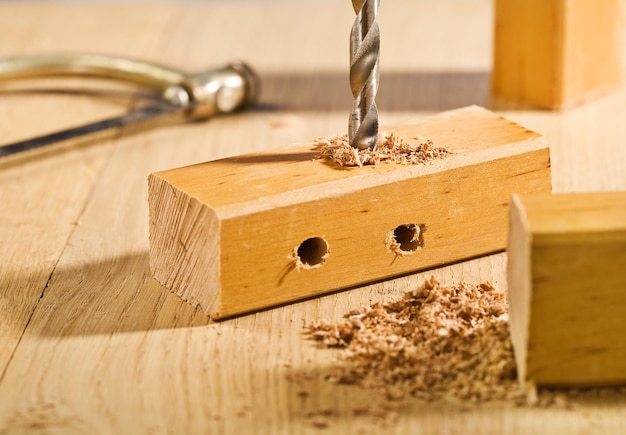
x=567, y=288
x=228, y=235
x=553, y=53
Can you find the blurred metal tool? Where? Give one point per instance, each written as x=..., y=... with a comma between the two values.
x=364, y=75
x=194, y=96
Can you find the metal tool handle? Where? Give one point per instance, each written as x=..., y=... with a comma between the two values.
x=207, y=93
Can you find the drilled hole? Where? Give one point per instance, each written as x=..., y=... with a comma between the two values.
x=311, y=253
x=406, y=239
x=407, y=236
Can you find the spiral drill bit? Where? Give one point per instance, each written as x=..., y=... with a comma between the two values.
x=364, y=76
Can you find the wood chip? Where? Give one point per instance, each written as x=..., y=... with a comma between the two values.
x=434, y=342
x=439, y=343
x=390, y=149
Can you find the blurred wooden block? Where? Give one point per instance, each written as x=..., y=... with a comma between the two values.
x=567, y=288
x=551, y=53
x=226, y=235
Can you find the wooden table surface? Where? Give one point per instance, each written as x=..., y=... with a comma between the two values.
x=90, y=343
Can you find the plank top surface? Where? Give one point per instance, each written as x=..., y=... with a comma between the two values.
x=576, y=212
x=479, y=135
x=90, y=343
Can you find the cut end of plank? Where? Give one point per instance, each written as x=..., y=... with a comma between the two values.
x=255, y=231
x=189, y=237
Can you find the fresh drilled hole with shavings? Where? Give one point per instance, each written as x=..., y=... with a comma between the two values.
x=405, y=239
x=311, y=253
x=390, y=149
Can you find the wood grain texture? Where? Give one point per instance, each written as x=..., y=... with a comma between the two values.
x=43, y=197
x=558, y=52
x=105, y=349
x=566, y=283
x=223, y=232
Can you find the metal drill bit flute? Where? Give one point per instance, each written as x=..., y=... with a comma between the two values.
x=364, y=76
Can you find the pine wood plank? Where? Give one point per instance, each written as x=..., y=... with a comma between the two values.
x=566, y=283
x=226, y=235
x=558, y=52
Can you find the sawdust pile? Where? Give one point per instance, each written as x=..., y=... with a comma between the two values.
x=390, y=149
x=435, y=342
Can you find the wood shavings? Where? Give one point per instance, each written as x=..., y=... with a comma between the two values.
x=390, y=149
x=434, y=342
x=439, y=343
x=296, y=261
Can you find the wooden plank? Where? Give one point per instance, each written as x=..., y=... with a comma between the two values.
x=229, y=235
x=566, y=275
x=553, y=53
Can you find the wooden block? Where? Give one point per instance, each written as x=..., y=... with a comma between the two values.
x=551, y=53
x=567, y=288
x=223, y=234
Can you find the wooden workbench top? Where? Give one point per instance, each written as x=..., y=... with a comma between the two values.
x=90, y=343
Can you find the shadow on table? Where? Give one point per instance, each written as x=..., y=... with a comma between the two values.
x=108, y=297
x=398, y=91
